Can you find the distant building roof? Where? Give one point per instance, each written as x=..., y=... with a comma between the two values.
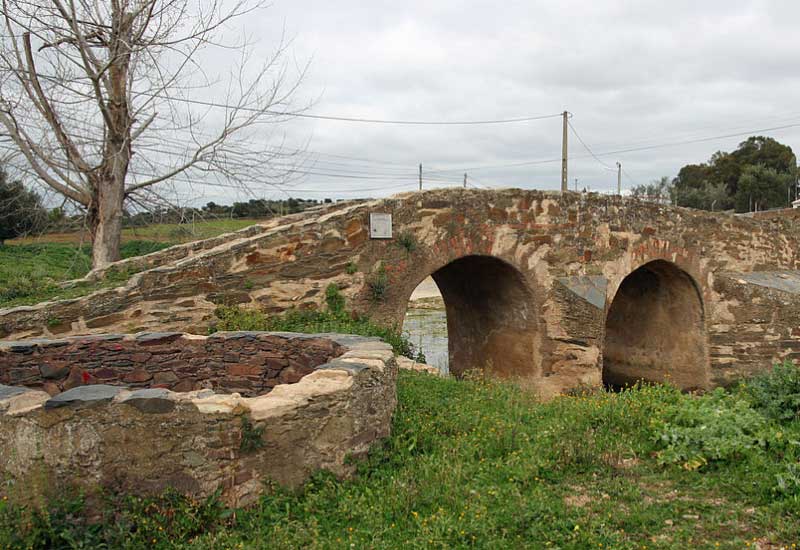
x=796, y=204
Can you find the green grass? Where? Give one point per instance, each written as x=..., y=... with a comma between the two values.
x=30, y=273
x=472, y=464
x=32, y=267
x=162, y=232
x=188, y=231
x=313, y=321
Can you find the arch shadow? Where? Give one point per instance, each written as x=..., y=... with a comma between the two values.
x=655, y=329
x=492, y=324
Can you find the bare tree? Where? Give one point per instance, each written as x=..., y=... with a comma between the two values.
x=103, y=100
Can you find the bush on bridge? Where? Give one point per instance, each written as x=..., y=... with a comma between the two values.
x=335, y=318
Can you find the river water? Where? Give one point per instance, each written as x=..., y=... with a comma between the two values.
x=427, y=329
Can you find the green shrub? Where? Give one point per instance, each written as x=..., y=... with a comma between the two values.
x=334, y=299
x=717, y=427
x=251, y=436
x=776, y=393
x=378, y=285
x=407, y=241
x=311, y=321
x=20, y=287
x=351, y=268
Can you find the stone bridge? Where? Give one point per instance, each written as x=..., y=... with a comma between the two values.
x=552, y=290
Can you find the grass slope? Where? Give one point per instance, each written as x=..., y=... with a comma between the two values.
x=30, y=273
x=32, y=267
x=160, y=232
x=479, y=465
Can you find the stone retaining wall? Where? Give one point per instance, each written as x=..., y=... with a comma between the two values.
x=143, y=440
x=247, y=363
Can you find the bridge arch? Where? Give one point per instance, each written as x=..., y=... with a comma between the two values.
x=655, y=329
x=492, y=319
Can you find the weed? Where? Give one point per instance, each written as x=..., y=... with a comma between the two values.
x=718, y=427
x=248, y=284
x=378, y=285
x=309, y=321
x=334, y=299
x=407, y=241
x=53, y=322
x=776, y=393
x=351, y=268
x=251, y=436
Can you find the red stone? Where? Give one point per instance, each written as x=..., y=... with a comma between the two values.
x=184, y=386
x=243, y=370
x=137, y=376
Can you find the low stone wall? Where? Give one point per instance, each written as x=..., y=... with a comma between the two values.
x=247, y=363
x=142, y=440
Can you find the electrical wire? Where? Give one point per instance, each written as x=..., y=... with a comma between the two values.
x=585, y=146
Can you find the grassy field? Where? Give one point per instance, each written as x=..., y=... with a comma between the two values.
x=31, y=268
x=482, y=465
x=160, y=232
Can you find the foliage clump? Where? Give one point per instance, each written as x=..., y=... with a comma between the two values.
x=21, y=209
x=407, y=241
x=776, y=393
x=334, y=319
x=378, y=284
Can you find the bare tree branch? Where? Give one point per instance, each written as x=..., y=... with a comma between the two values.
x=96, y=97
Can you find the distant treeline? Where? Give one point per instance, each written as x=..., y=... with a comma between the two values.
x=254, y=208
x=57, y=220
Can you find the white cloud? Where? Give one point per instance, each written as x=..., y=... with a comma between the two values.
x=633, y=72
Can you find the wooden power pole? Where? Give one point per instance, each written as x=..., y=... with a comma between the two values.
x=420, y=176
x=564, y=174
x=619, y=179
x=465, y=180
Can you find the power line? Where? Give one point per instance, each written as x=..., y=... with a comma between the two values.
x=700, y=140
x=339, y=118
x=585, y=146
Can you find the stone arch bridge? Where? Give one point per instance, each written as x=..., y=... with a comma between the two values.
x=552, y=290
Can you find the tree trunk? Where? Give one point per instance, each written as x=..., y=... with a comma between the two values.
x=105, y=222
x=109, y=187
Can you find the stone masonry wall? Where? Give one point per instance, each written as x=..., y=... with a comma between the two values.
x=143, y=441
x=247, y=363
x=559, y=244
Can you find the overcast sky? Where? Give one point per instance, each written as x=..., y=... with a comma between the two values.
x=633, y=73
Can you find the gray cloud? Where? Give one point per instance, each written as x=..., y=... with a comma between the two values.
x=633, y=72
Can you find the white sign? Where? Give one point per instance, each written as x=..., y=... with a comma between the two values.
x=380, y=226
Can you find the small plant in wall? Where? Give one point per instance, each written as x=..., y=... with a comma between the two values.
x=407, y=241
x=378, y=284
x=251, y=436
x=335, y=300
x=351, y=268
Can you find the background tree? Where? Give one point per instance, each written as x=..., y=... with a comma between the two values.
x=660, y=191
x=20, y=209
x=762, y=188
x=715, y=185
x=96, y=95
x=707, y=196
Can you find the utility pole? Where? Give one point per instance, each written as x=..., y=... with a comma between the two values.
x=576, y=185
x=465, y=180
x=564, y=154
x=420, y=176
x=619, y=179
